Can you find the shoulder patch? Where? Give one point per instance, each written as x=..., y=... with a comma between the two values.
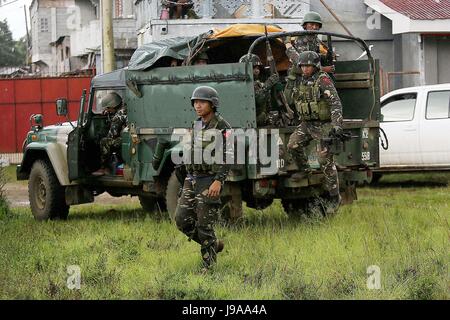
x=326, y=80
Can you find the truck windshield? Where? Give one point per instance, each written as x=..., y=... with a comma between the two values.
x=97, y=107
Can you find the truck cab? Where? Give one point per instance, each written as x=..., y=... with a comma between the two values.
x=417, y=125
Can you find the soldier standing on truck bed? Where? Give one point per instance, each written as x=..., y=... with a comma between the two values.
x=113, y=106
x=198, y=205
x=262, y=88
x=320, y=111
x=309, y=42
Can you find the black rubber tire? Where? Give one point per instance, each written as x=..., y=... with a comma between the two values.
x=376, y=176
x=46, y=195
x=172, y=194
x=296, y=207
x=152, y=205
x=259, y=204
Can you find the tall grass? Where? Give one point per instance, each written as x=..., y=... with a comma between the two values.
x=124, y=253
x=4, y=207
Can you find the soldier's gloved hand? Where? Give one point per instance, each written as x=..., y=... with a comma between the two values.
x=272, y=80
x=336, y=131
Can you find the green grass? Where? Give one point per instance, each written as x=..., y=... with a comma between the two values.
x=123, y=253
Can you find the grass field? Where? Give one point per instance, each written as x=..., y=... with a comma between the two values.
x=123, y=253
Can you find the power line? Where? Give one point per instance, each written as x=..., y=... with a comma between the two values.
x=4, y=3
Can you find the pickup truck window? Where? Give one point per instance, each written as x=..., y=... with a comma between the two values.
x=399, y=107
x=438, y=105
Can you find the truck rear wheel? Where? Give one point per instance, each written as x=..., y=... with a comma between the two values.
x=152, y=204
x=172, y=193
x=47, y=196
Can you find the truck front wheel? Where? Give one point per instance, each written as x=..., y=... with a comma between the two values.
x=47, y=196
x=152, y=204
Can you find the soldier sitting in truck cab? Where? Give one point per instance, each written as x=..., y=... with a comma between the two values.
x=113, y=106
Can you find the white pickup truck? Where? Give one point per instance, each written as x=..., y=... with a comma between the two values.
x=417, y=124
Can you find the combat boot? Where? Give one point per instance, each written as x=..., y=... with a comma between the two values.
x=219, y=246
x=333, y=204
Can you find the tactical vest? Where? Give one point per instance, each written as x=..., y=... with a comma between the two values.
x=202, y=168
x=310, y=104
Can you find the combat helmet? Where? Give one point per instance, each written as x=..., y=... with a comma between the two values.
x=253, y=58
x=312, y=17
x=206, y=93
x=309, y=58
x=111, y=100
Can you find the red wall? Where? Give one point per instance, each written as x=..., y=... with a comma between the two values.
x=20, y=98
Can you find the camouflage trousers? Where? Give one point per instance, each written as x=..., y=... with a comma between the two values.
x=196, y=215
x=107, y=146
x=299, y=141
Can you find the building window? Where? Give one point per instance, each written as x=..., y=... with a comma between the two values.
x=399, y=107
x=62, y=55
x=43, y=25
x=438, y=105
x=67, y=52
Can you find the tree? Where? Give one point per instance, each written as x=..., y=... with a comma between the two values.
x=12, y=53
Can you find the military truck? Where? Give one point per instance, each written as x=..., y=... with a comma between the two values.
x=58, y=160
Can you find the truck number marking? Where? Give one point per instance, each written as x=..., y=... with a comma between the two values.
x=365, y=156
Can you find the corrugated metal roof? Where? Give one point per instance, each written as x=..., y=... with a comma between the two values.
x=421, y=9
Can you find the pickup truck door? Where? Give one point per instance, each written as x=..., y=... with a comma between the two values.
x=435, y=128
x=401, y=124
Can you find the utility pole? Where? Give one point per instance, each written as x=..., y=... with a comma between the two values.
x=28, y=36
x=108, y=57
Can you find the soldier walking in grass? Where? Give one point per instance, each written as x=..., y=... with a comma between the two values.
x=198, y=205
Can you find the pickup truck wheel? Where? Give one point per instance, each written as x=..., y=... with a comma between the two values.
x=47, y=196
x=172, y=194
x=152, y=204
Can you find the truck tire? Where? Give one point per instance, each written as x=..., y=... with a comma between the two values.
x=259, y=204
x=47, y=196
x=172, y=194
x=152, y=204
x=376, y=176
x=295, y=208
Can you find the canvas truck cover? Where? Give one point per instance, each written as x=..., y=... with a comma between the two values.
x=179, y=48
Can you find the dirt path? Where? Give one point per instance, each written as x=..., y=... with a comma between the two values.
x=17, y=195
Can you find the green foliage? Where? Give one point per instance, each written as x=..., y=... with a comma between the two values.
x=12, y=53
x=123, y=253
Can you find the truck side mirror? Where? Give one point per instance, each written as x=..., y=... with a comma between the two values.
x=61, y=107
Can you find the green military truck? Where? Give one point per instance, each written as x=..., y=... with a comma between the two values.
x=58, y=160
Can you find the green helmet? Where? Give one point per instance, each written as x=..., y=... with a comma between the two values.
x=206, y=93
x=202, y=56
x=312, y=17
x=253, y=58
x=111, y=100
x=309, y=58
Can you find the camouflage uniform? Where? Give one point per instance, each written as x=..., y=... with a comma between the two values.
x=113, y=141
x=320, y=109
x=263, y=98
x=306, y=43
x=197, y=213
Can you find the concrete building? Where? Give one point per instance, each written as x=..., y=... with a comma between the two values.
x=66, y=34
x=86, y=41
x=410, y=38
x=51, y=20
x=216, y=14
